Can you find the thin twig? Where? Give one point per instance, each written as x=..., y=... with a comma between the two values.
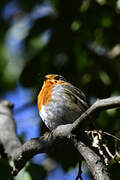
x=106, y=133
x=79, y=176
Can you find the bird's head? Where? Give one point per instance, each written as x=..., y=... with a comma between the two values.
x=54, y=78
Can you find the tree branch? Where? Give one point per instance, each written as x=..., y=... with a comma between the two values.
x=8, y=138
x=94, y=162
x=22, y=153
x=99, y=106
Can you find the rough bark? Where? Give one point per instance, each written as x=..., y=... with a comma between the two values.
x=20, y=154
x=8, y=138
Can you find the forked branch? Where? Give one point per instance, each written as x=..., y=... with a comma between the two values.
x=20, y=154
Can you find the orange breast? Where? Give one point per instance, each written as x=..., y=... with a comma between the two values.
x=45, y=95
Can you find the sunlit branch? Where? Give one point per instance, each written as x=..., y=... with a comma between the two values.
x=20, y=154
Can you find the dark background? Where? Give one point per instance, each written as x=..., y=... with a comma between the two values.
x=78, y=39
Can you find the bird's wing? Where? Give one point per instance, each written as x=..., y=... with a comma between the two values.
x=77, y=96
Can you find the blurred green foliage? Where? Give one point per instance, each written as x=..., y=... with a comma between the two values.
x=30, y=172
x=5, y=170
x=75, y=39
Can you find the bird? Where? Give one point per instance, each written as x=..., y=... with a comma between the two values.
x=59, y=102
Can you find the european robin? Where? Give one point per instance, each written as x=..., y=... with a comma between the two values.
x=60, y=102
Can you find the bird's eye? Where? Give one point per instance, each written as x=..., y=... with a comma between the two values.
x=57, y=78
